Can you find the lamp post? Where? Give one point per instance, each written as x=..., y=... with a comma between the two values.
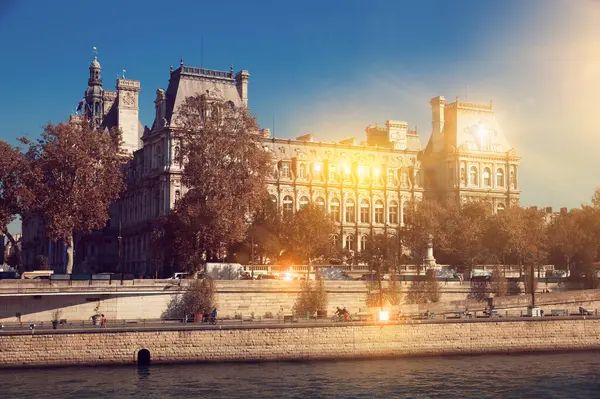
x=252, y=259
x=119, y=249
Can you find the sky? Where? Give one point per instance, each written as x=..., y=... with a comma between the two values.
x=332, y=68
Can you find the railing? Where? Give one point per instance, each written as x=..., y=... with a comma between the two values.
x=207, y=72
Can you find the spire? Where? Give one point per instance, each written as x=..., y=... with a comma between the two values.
x=94, y=108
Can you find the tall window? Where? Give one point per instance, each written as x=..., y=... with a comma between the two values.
x=157, y=156
x=391, y=176
x=379, y=211
x=288, y=205
x=335, y=239
x=500, y=207
x=500, y=178
x=473, y=176
x=285, y=170
x=405, y=213
x=333, y=173
x=302, y=171
x=363, y=243
x=350, y=211
x=350, y=242
x=365, y=210
x=335, y=209
x=320, y=202
x=303, y=201
x=404, y=178
x=487, y=177
x=393, y=212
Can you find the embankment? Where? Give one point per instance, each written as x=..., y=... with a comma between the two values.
x=299, y=342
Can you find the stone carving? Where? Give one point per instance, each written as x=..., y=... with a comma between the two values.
x=160, y=95
x=127, y=99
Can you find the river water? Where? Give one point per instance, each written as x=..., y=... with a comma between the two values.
x=568, y=375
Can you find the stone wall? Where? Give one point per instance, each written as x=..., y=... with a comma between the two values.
x=332, y=341
x=149, y=299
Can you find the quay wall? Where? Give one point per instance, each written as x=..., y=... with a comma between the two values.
x=36, y=301
x=331, y=341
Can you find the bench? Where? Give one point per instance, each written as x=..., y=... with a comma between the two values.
x=454, y=315
x=559, y=312
x=423, y=316
x=62, y=321
x=585, y=312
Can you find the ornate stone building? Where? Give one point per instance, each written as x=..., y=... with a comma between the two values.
x=468, y=156
x=365, y=185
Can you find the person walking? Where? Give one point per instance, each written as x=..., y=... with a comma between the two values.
x=102, y=321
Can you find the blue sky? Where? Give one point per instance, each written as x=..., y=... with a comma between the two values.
x=333, y=67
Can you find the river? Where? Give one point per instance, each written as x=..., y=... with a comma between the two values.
x=565, y=375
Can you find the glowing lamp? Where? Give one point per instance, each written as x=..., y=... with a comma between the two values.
x=376, y=171
x=384, y=315
x=361, y=170
x=317, y=167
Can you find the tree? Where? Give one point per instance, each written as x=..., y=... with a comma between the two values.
x=78, y=171
x=423, y=218
x=499, y=285
x=424, y=291
x=16, y=195
x=311, y=298
x=224, y=169
x=466, y=227
x=199, y=297
x=308, y=233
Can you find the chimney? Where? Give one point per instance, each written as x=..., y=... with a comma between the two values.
x=161, y=107
x=241, y=83
x=548, y=209
x=563, y=211
x=437, y=114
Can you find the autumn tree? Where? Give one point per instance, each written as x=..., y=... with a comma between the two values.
x=308, y=233
x=499, y=285
x=466, y=226
x=424, y=290
x=424, y=218
x=311, y=298
x=224, y=171
x=79, y=175
x=16, y=195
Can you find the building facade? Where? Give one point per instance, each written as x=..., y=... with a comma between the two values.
x=364, y=185
x=468, y=156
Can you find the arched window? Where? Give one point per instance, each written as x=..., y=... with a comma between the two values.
x=363, y=243
x=500, y=207
x=365, y=210
x=303, y=201
x=500, y=178
x=302, y=171
x=350, y=211
x=273, y=198
x=393, y=212
x=350, y=242
x=487, y=177
x=335, y=209
x=473, y=176
x=320, y=202
x=379, y=211
x=288, y=205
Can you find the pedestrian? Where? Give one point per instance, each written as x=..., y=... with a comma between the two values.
x=102, y=321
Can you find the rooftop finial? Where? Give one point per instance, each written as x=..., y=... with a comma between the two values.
x=124, y=70
x=95, y=50
x=170, y=68
x=181, y=61
x=231, y=68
